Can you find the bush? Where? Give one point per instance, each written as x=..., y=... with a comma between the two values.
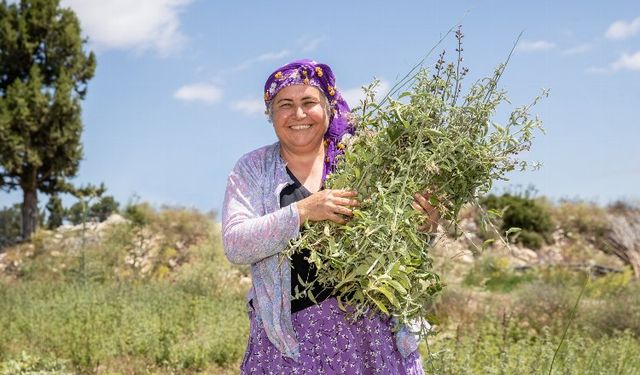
x=56, y=212
x=99, y=211
x=541, y=305
x=521, y=211
x=576, y=217
x=10, y=225
x=529, y=239
x=32, y=365
x=139, y=214
x=495, y=274
x=617, y=312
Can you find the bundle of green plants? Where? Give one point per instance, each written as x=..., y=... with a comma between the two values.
x=426, y=135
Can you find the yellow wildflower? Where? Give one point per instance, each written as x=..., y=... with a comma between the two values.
x=278, y=75
x=319, y=71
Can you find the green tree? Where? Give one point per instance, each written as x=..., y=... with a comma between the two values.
x=56, y=212
x=102, y=209
x=44, y=72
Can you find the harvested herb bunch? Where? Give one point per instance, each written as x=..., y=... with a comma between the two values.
x=429, y=138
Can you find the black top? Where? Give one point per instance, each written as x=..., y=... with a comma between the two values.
x=300, y=266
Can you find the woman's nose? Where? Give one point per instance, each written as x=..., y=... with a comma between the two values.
x=300, y=113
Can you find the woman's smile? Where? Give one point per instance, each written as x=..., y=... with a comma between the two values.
x=300, y=118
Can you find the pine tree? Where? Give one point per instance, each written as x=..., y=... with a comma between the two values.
x=44, y=72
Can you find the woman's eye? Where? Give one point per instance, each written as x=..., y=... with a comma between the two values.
x=285, y=105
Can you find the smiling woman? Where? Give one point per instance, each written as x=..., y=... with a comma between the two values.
x=300, y=119
x=271, y=193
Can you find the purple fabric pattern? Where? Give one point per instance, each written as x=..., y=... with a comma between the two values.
x=309, y=72
x=331, y=344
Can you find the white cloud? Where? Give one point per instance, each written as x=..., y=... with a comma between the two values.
x=199, y=92
x=354, y=95
x=623, y=29
x=626, y=61
x=535, y=46
x=581, y=48
x=124, y=24
x=248, y=106
x=268, y=56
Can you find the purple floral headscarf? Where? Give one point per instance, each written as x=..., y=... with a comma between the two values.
x=309, y=72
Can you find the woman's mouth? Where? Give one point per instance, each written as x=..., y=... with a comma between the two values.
x=300, y=127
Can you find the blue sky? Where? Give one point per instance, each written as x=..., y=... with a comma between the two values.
x=176, y=98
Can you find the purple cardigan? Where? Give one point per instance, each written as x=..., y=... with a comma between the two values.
x=255, y=230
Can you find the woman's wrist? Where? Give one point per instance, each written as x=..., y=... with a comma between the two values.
x=302, y=212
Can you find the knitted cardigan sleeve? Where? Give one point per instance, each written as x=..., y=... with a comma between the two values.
x=249, y=232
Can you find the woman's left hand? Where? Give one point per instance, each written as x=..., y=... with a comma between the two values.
x=421, y=203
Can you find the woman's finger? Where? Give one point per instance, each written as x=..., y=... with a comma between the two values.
x=345, y=193
x=337, y=219
x=347, y=202
x=424, y=202
x=343, y=210
x=418, y=207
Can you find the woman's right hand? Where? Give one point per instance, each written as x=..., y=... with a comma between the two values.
x=329, y=204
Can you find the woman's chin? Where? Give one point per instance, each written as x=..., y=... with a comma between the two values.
x=302, y=143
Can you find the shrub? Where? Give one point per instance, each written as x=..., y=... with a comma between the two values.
x=139, y=214
x=576, y=217
x=543, y=305
x=33, y=365
x=529, y=239
x=56, y=212
x=618, y=311
x=521, y=211
x=10, y=225
x=495, y=274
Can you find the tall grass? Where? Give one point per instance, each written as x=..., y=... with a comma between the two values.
x=179, y=309
x=118, y=318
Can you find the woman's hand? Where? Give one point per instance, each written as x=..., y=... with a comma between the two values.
x=421, y=203
x=327, y=204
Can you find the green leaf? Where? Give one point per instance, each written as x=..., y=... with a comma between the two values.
x=389, y=294
x=512, y=230
x=397, y=286
x=311, y=296
x=380, y=305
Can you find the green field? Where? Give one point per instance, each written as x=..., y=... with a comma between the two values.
x=160, y=298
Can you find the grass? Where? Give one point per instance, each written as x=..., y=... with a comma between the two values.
x=497, y=348
x=155, y=323
x=180, y=309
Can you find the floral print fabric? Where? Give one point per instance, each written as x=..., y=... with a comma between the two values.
x=330, y=343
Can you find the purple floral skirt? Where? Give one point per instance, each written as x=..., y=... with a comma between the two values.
x=331, y=344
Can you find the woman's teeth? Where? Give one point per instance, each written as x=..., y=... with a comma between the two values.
x=300, y=127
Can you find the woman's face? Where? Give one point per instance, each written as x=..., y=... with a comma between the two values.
x=299, y=117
